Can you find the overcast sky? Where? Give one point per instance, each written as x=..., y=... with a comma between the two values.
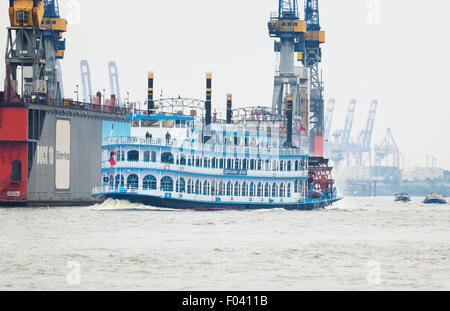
x=398, y=55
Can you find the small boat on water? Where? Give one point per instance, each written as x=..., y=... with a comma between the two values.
x=403, y=197
x=435, y=198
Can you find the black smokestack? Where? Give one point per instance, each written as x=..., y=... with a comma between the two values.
x=289, y=120
x=208, y=105
x=151, y=102
x=229, y=108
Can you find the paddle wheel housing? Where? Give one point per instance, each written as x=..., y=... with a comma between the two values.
x=320, y=177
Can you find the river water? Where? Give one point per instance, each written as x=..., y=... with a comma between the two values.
x=358, y=244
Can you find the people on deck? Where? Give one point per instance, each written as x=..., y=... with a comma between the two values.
x=168, y=138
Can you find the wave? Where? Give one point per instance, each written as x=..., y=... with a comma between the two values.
x=123, y=205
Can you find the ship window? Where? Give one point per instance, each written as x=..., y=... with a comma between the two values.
x=167, y=158
x=274, y=166
x=133, y=182
x=229, y=164
x=120, y=156
x=181, y=185
x=153, y=156
x=197, y=187
x=252, y=189
x=151, y=123
x=296, y=186
x=244, y=189
x=183, y=160
x=296, y=166
x=197, y=162
x=281, y=166
x=111, y=181
x=289, y=166
x=301, y=188
x=260, y=190
x=267, y=190
x=213, y=188
x=221, y=163
x=221, y=188
x=120, y=181
x=282, y=191
x=244, y=164
x=252, y=164
x=288, y=190
x=16, y=171
x=229, y=189
x=205, y=163
x=180, y=124
x=167, y=184
x=149, y=183
x=147, y=156
x=189, y=186
x=133, y=156
x=206, y=188
x=274, y=190
x=236, y=189
x=236, y=164
x=168, y=124
x=259, y=165
x=267, y=165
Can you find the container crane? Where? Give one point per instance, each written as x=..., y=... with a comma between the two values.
x=328, y=125
x=347, y=132
x=86, y=81
x=114, y=81
x=329, y=118
x=366, y=135
x=341, y=141
x=388, y=150
x=361, y=150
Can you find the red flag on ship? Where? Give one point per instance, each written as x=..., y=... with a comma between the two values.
x=302, y=129
x=113, y=160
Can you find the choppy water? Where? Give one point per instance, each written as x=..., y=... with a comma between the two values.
x=359, y=244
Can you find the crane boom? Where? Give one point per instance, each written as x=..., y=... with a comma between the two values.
x=345, y=141
x=329, y=118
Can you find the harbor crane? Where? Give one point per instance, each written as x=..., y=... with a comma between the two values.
x=328, y=125
x=329, y=118
x=35, y=44
x=387, y=152
x=303, y=37
x=114, y=81
x=361, y=150
x=86, y=85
